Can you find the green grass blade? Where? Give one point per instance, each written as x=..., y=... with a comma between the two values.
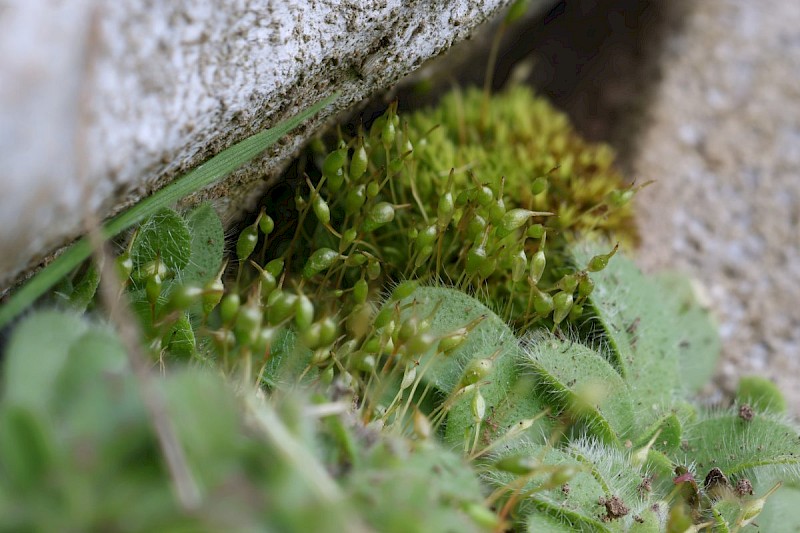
x=209, y=172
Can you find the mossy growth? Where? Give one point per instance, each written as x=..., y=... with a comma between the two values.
x=440, y=334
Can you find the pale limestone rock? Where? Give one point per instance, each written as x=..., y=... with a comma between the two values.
x=105, y=102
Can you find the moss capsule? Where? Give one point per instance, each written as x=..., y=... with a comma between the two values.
x=321, y=209
x=381, y=213
x=246, y=243
x=562, y=303
x=538, y=263
x=229, y=307
x=320, y=260
x=303, y=313
x=266, y=224
x=358, y=165
x=355, y=198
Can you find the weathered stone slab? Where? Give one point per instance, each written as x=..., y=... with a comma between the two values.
x=724, y=147
x=105, y=102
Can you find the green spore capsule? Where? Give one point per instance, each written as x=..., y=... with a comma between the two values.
x=476, y=227
x=539, y=185
x=321, y=209
x=229, y=307
x=347, y=239
x=275, y=267
x=373, y=188
x=404, y=290
x=183, y=297
x=476, y=370
x=248, y=323
x=599, y=262
x=535, y=231
x=303, y=313
x=360, y=291
x=246, y=243
x=373, y=269
x=538, y=263
x=358, y=165
x=355, y=198
x=320, y=260
x=266, y=224
x=333, y=169
x=381, y=213
x=153, y=288
x=562, y=303
x=281, y=306
x=543, y=303
x=517, y=464
x=124, y=266
x=585, y=287
x=445, y=210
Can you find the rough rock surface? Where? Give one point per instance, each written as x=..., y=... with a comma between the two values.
x=724, y=147
x=105, y=102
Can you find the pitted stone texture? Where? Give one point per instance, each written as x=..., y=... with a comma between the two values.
x=169, y=84
x=724, y=147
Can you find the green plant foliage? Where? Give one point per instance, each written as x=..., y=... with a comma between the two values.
x=418, y=344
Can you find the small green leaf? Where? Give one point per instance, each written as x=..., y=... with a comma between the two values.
x=181, y=342
x=164, y=236
x=641, y=331
x=36, y=354
x=761, y=393
x=85, y=289
x=578, y=380
x=208, y=242
x=765, y=449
